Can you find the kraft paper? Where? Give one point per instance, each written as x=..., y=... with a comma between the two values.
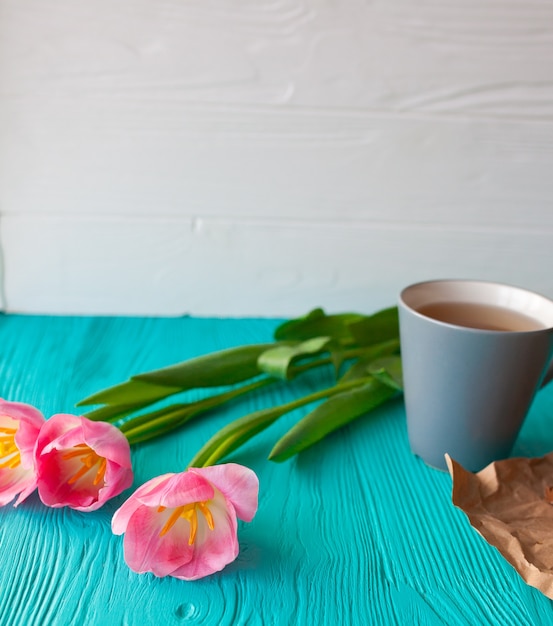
x=510, y=503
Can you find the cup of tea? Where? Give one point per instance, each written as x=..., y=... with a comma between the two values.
x=474, y=354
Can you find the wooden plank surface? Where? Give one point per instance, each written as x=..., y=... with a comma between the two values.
x=218, y=267
x=355, y=531
x=208, y=134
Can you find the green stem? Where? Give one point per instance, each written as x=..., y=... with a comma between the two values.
x=347, y=355
x=242, y=430
x=150, y=425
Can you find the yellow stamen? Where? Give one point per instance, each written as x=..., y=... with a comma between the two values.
x=100, y=473
x=172, y=520
x=89, y=460
x=9, y=452
x=192, y=518
x=7, y=447
x=190, y=514
x=76, y=451
x=207, y=514
x=160, y=509
x=79, y=474
x=11, y=463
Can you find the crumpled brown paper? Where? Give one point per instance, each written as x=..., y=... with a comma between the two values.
x=510, y=504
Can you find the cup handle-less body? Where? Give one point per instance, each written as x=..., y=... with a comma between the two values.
x=467, y=391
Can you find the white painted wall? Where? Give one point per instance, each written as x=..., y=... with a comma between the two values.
x=227, y=157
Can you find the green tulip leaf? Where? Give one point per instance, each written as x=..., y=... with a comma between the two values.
x=241, y=430
x=376, y=328
x=361, y=367
x=329, y=416
x=158, y=422
x=112, y=412
x=278, y=361
x=388, y=370
x=148, y=425
x=318, y=324
x=225, y=367
x=236, y=434
x=133, y=393
x=216, y=369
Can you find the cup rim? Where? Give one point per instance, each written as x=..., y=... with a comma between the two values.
x=520, y=299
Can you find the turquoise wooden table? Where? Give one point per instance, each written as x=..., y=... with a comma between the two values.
x=355, y=530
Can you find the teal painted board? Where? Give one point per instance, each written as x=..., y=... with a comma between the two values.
x=355, y=530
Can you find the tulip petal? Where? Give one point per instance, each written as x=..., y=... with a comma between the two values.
x=19, y=429
x=54, y=487
x=81, y=464
x=121, y=517
x=169, y=491
x=53, y=430
x=146, y=550
x=214, y=549
x=107, y=441
x=20, y=411
x=183, y=525
x=184, y=488
x=17, y=482
x=237, y=483
x=30, y=421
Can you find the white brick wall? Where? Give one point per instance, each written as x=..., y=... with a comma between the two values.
x=262, y=158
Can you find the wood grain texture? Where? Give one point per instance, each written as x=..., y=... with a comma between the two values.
x=207, y=266
x=354, y=531
x=427, y=123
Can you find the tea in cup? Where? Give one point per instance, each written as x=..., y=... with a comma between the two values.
x=474, y=354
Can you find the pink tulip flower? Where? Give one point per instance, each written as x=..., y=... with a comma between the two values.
x=80, y=463
x=184, y=525
x=19, y=427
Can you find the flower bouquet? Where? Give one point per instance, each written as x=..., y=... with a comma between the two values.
x=184, y=524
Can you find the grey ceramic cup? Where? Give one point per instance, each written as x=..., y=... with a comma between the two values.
x=467, y=390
